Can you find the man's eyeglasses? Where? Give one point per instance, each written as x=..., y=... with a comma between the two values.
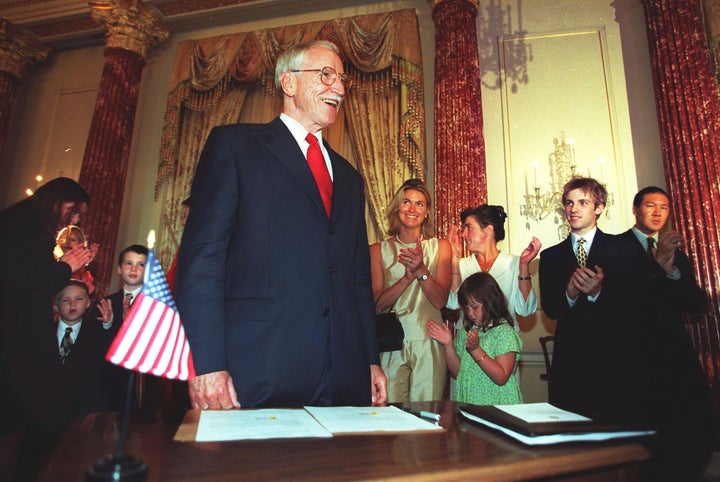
x=328, y=76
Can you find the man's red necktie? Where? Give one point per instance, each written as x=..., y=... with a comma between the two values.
x=320, y=172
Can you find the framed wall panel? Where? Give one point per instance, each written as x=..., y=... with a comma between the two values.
x=67, y=136
x=568, y=95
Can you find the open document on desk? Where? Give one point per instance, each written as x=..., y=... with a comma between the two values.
x=308, y=422
x=543, y=424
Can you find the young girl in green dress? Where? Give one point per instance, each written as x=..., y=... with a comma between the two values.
x=483, y=357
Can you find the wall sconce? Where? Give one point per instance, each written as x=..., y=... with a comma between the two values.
x=38, y=180
x=540, y=203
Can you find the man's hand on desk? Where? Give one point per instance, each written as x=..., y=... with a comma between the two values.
x=213, y=391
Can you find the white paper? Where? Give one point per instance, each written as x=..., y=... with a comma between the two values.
x=558, y=438
x=541, y=413
x=223, y=425
x=347, y=420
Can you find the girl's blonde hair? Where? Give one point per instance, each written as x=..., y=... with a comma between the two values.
x=62, y=236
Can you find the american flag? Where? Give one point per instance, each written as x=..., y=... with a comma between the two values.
x=152, y=338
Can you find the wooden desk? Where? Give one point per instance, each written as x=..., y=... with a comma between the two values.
x=464, y=451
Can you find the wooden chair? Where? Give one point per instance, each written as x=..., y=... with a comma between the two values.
x=547, y=354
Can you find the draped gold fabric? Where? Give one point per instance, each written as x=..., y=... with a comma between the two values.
x=689, y=119
x=229, y=79
x=8, y=92
x=711, y=8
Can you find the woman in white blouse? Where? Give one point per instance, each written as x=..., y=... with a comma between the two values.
x=482, y=228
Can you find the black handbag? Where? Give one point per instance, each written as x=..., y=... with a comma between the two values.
x=390, y=333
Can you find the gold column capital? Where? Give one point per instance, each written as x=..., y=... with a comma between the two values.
x=19, y=49
x=131, y=25
x=435, y=3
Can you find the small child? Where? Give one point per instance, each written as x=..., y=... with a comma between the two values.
x=131, y=268
x=69, y=238
x=484, y=356
x=81, y=351
x=113, y=309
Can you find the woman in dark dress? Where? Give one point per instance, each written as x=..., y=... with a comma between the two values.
x=29, y=276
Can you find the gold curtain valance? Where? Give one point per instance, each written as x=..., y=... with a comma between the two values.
x=380, y=48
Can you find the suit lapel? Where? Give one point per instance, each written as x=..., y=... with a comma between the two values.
x=282, y=145
x=568, y=255
x=597, y=249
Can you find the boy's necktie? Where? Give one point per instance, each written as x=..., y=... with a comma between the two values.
x=581, y=253
x=66, y=345
x=320, y=172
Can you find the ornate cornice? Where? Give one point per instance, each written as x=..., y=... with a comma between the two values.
x=131, y=25
x=435, y=3
x=19, y=49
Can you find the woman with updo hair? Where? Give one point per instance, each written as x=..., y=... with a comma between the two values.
x=411, y=275
x=482, y=228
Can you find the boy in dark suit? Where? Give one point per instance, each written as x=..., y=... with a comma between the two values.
x=112, y=311
x=131, y=268
x=81, y=349
x=585, y=282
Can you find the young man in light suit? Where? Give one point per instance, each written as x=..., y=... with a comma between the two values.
x=273, y=291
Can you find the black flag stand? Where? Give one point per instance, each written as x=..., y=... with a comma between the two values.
x=120, y=467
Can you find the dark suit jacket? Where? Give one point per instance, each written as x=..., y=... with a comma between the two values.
x=117, y=306
x=29, y=279
x=680, y=406
x=598, y=368
x=84, y=375
x=269, y=288
x=678, y=296
x=118, y=377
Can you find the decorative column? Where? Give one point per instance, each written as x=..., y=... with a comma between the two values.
x=19, y=49
x=689, y=119
x=132, y=29
x=460, y=174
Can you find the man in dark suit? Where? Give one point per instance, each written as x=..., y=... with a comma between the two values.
x=273, y=283
x=585, y=284
x=679, y=394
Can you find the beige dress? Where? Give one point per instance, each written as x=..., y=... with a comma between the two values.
x=418, y=372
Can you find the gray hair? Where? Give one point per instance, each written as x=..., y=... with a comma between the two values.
x=292, y=58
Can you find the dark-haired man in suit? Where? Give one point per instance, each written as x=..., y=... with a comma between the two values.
x=273, y=282
x=679, y=393
x=598, y=367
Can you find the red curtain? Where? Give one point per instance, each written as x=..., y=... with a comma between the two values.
x=689, y=120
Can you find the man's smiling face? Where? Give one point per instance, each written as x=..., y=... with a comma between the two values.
x=312, y=103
